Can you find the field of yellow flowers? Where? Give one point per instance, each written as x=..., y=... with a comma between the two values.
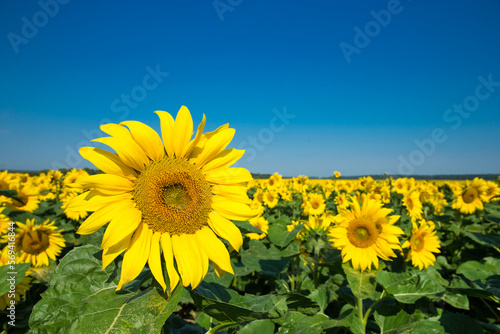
x=313, y=256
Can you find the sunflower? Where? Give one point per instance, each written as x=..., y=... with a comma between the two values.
x=28, y=194
x=4, y=222
x=413, y=206
x=262, y=224
x=423, y=242
x=170, y=197
x=315, y=204
x=336, y=174
x=399, y=186
x=274, y=181
x=492, y=191
x=270, y=198
x=470, y=198
x=21, y=287
x=365, y=233
x=38, y=243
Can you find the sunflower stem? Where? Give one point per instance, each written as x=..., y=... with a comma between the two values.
x=360, y=313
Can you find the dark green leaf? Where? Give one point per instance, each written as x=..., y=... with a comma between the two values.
x=457, y=323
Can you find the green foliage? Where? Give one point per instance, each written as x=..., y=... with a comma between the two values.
x=82, y=299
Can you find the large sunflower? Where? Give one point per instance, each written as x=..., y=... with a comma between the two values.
x=365, y=233
x=423, y=242
x=172, y=198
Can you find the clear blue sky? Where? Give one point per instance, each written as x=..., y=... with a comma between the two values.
x=362, y=87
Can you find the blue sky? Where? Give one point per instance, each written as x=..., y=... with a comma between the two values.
x=365, y=87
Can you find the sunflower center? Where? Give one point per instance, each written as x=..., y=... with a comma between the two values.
x=35, y=242
x=418, y=244
x=409, y=203
x=362, y=234
x=470, y=195
x=315, y=205
x=173, y=196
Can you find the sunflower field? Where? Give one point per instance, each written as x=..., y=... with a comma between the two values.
x=169, y=238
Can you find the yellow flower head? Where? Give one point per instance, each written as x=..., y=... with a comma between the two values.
x=470, y=198
x=492, y=190
x=262, y=224
x=171, y=195
x=4, y=222
x=336, y=174
x=423, y=243
x=28, y=195
x=413, y=206
x=270, y=198
x=315, y=204
x=365, y=233
x=38, y=243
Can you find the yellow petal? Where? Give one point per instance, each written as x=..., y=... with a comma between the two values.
x=183, y=130
x=122, y=225
x=224, y=159
x=226, y=230
x=232, y=210
x=109, y=254
x=128, y=150
x=147, y=138
x=102, y=216
x=189, y=148
x=94, y=200
x=154, y=260
x=107, y=183
x=108, y=162
x=236, y=193
x=136, y=256
x=214, y=248
x=166, y=246
x=190, y=261
x=228, y=175
x=214, y=146
x=167, y=131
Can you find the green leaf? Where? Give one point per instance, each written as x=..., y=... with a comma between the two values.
x=428, y=327
x=264, y=326
x=395, y=324
x=226, y=305
x=279, y=234
x=82, y=299
x=457, y=323
x=298, y=323
x=488, y=240
x=12, y=273
x=410, y=286
x=362, y=283
x=246, y=227
x=177, y=325
x=475, y=270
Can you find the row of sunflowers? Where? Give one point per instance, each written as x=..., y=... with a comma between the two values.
x=345, y=245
